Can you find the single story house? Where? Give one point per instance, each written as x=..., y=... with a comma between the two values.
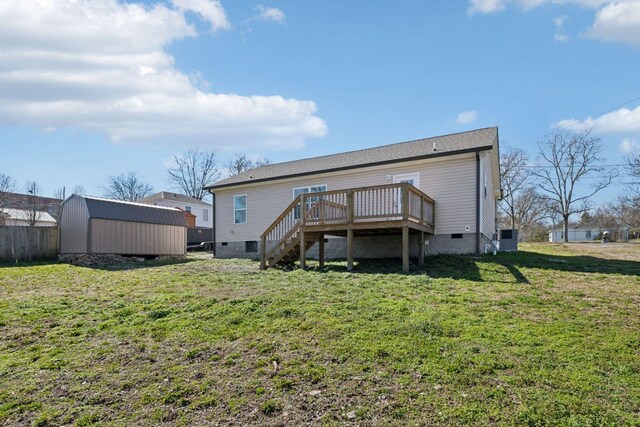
x=30, y=202
x=23, y=217
x=589, y=232
x=199, y=208
x=93, y=225
x=428, y=196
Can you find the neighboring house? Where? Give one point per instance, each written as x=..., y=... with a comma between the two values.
x=588, y=233
x=29, y=202
x=92, y=225
x=17, y=217
x=386, y=201
x=201, y=210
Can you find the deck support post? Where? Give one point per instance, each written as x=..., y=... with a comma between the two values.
x=405, y=248
x=421, y=248
x=350, y=249
x=263, y=253
x=303, y=251
x=321, y=251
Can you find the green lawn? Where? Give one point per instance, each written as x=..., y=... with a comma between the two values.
x=546, y=336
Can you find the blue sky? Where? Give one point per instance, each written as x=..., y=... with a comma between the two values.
x=101, y=87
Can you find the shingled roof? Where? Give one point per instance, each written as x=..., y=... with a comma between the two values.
x=133, y=212
x=446, y=145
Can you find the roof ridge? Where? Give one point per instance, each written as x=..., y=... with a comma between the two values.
x=125, y=202
x=373, y=148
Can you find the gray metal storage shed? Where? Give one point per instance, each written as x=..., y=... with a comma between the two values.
x=92, y=225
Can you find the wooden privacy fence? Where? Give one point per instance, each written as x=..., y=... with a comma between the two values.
x=24, y=243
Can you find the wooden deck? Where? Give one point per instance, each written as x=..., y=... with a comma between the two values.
x=377, y=210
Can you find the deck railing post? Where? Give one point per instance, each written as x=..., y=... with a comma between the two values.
x=422, y=221
x=350, y=213
x=303, y=209
x=263, y=252
x=405, y=201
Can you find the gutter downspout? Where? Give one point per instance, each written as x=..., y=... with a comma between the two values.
x=213, y=217
x=477, y=203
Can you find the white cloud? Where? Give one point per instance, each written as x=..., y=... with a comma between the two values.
x=101, y=66
x=618, y=22
x=492, y=6
x=622, y=120
x=271, y=14
x=628, y=145
x=615, y=21
x=486, y=6
x=210, y=10
x=467, y=117
x=559, y=23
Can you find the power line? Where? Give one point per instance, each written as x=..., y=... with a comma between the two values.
x=553, y=167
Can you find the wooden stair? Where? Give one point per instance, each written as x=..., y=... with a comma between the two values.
x=397, y=208
x=289, y=252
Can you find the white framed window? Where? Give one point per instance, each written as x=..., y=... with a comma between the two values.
x=205, y=215
x=412, y=178
x=240, y=209
x=187, y=208
x=310, y=200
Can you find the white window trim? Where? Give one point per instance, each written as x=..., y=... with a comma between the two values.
x=397, y=178
x=246, y=209
x=205, y=213
x=308, y=187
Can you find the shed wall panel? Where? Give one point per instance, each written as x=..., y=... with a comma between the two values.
x=451, y=182
x=136, y=238
x=74, y=221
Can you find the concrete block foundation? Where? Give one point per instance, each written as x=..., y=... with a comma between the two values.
x=373, y=247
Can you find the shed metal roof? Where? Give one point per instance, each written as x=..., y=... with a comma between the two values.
x=133, y=212
x=452, y=144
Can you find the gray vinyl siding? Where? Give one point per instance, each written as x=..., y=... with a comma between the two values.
x=73, y=223
x=451, y=182
x=488, y=205
x=136, y=238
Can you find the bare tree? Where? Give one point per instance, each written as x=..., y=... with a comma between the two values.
x=193, y=170
x=633, y=167
x=627, y=209
x=127, y=186
x=242, y=163
x=7, y=186
x=59, y=193
x=33, y=206
x=513, y=177
x=566, y=160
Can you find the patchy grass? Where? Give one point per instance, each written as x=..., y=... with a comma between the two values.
x=546, y=336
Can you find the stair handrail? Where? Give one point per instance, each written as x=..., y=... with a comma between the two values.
x=287, y=234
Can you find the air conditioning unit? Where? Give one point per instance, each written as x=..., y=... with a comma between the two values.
x=508, y=240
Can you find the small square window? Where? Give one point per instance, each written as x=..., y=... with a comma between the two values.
x=251, y=246
x=224, y=244
x=187, y=208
